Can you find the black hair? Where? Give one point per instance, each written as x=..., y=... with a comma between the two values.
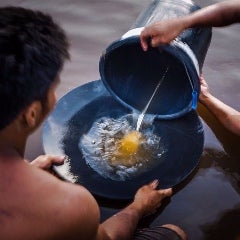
x=33, y=49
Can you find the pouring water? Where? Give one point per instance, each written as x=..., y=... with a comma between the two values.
x=141, y=116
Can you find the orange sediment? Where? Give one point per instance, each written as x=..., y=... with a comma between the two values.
x=127, y=147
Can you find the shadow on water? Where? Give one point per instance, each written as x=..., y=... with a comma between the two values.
x=226, y=227
x=229, y=166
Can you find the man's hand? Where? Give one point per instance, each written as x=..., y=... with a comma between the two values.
x=46, y=162
x=162, y=32
x=204, y=93
x=148, y=198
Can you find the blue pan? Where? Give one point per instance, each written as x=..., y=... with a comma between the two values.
x=75, y=114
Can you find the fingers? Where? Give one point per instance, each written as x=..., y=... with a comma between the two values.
x=201, y=78
x=165, y=192
x=154, y=184
x=148, y=198
x=57, y=160
x=143, y=40
x=147, y=37
x=46, y=161
x=202, y=82
x=49, y=160
x=153, y=40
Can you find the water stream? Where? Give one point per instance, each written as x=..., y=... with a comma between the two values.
x=141, y=116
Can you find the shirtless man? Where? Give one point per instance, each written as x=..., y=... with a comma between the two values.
x=35, y=204
x=217, y=15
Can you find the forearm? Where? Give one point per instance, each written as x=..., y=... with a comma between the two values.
x=226, y=115
x=216, y=15
x=123, y=224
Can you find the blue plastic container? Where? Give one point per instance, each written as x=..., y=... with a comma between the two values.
x=131, y=75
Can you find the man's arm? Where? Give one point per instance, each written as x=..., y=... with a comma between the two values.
x=216, y=15
x=123, y=224
x=229, y=117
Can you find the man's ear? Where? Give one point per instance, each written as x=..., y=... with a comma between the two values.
x=33, y=114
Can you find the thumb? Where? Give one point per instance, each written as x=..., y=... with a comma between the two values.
x=166, y=192
x=46, y=161
x=54, y=159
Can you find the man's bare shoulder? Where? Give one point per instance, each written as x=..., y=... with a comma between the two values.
x=74, y=206
x=44, y=207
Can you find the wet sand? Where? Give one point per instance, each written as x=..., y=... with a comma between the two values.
x=213, y=187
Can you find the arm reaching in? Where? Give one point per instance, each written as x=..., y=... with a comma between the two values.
x=229, y=117
x=123, y=224
x=217, y=15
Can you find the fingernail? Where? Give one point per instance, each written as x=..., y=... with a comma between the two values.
x=63, y=157
x=155, y=183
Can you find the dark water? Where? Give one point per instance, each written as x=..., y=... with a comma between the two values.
x=214, y=187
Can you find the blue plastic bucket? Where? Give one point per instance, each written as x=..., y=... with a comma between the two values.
x=131, y=75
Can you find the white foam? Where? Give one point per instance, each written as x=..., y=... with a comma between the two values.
x=99, y=145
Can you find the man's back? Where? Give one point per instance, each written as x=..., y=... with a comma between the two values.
x=36, y=205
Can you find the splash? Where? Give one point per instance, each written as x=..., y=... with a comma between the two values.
x=114, y=149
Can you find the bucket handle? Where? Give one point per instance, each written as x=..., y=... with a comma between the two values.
x=194, y=92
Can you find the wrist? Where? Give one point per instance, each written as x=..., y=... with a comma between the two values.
x=205, y=98
x=185, y=23
x=136, y=209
